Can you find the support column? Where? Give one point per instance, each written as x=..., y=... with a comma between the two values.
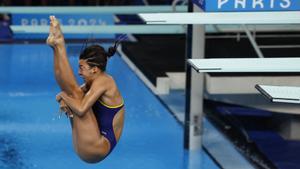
x=195, y=46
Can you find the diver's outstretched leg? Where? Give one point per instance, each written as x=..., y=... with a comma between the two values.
x=63, y=72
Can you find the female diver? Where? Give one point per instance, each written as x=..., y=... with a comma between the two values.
x=96, y=108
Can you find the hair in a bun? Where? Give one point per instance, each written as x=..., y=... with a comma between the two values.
x=111, y=51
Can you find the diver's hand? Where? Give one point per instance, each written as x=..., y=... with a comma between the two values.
x=58, y=98
x=64, y=108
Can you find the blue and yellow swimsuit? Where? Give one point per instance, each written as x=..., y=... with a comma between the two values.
x=105, y=115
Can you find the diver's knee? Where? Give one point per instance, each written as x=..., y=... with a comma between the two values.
x=77, y=93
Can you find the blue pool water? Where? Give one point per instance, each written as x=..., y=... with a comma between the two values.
x=32, y=135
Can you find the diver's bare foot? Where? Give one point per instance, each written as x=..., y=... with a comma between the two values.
x=55, y=37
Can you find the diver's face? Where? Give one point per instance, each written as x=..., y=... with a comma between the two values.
x=85, y=71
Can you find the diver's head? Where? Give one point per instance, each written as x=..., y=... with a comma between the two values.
x=93, y=60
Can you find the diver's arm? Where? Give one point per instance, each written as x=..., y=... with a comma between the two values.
x=81, y=106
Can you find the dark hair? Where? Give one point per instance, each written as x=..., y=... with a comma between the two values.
x=95, y=55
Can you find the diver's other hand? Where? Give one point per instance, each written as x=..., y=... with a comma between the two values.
x=58, y=98
x=55, y=34
x=64, y=108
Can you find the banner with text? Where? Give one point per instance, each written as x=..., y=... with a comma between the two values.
x=247, y=5
x=65, y=19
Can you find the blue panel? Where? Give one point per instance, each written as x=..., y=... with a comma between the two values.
x=248, y=5
x=65, y=19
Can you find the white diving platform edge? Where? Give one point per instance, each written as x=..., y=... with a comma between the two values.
x=104, y=29
x=246, y=65
x=286, y=17
x=281, y=94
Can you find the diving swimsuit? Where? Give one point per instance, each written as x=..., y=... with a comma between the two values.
x=105, y=115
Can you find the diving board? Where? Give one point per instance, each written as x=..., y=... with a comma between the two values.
x=104, y=29
x=92, y=10
x=282, y=94
x=289, y=17
x=246, y=65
